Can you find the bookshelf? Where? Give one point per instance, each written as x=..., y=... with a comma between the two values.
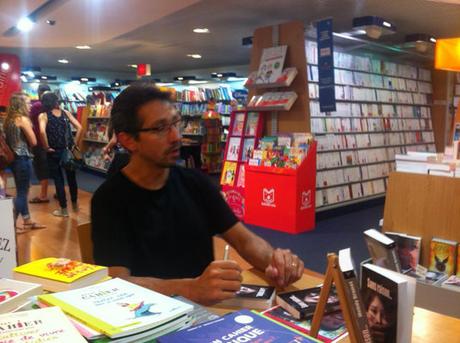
x=383, y=109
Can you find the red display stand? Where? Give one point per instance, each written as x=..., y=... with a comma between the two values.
x=243, y=137
x=282, y=199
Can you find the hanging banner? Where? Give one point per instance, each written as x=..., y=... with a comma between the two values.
x=326, y=66
x=8, y=259
x=10, y=81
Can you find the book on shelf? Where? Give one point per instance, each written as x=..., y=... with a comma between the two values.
x=453, y=283
x=280, y=101
x=408, y=250
x=443, y=256
x=382, y=250
x=119, y=308
x=252, y=123
x=241, y=326
x=389, y=303
x=301, y=304
x=58, y=274
x=15, y=294
x=284, y=80
x=271, y=64
x=332, y=328
x=233, y=151
x=248, y=148
x=352, y=293
x=40, y=325
x=238, y=124
x=254, y=297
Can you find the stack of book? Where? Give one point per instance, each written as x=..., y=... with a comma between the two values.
x=120, y=310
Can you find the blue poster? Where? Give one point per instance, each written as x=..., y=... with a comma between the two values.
x=326, y=66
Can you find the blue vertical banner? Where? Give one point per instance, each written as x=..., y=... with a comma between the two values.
x=326, y=66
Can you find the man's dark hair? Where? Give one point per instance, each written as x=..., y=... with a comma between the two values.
x=49, y=101
x=42, y=89
x=124, y=114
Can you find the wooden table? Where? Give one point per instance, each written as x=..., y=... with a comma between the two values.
x=428, y=327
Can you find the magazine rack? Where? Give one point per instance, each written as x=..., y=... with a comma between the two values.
x=334, y=275
x=280, y=198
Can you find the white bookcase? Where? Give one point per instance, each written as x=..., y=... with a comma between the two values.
x=383, y=109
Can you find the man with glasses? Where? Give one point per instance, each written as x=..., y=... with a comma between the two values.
x=154, y=222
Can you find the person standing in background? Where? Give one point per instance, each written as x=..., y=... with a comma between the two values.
x=20, y=137
x=56, y=134
x=40, y=162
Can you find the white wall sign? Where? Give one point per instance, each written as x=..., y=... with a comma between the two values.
x=8, y=259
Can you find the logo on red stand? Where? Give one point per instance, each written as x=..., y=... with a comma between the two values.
x=268, y=197
x=306, y=200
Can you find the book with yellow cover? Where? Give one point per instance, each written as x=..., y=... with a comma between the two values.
x=443, y=256
x=58, y=274
x=229, y=173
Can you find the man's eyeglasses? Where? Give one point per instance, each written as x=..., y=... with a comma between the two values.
x=163, y=129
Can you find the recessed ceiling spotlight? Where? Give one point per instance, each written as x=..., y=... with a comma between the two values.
x=63, y=60
x=83, y=47
x=194, y=55
x=51, y=22
x=132, y=65
x=5, y=66
x=24, y=24
x=43, y=77
x=201, y=30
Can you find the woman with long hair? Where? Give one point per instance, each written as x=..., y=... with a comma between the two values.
x=20, y=137
x=56, y=138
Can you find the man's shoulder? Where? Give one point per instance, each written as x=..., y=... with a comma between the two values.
x=109, y=188
x=190, y=175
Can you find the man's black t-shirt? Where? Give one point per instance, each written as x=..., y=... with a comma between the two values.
x=166, y=233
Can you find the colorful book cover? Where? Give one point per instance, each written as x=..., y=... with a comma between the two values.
x=14, y=294
x=332, y=325
x=42, y=325
x=251, y=124
x=241, y=326
x=238, y=124
x=408, y=250
x=248, y=148
x=382, y=250
x=228, y=173
x=443, y=256
x=271, y=64
x=233, y=148
x=58, y=269
x=118, y=307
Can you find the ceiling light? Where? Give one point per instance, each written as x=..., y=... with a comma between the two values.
x=373, y=26
x=84, y=79
x=63, y=60
x=194, y=55
x=51, y=22
x=5, y=66
x=132, y=65
x=43, y=77
x=164, y=84
x=234, y=79
x=201, y=30
x=422, y=42
x=196, y=82
x=83, y=47
x=180, y=78
x=25, y=24
x=433, y=40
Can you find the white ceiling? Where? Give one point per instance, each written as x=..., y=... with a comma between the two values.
x=159, y=32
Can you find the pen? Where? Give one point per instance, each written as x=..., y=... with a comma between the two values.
x=226, y=251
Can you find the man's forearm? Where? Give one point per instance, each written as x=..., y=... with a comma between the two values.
x=257, y=252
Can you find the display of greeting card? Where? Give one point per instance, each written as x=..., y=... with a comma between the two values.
x=233, y=148
x=271, y=64
x=238, y=124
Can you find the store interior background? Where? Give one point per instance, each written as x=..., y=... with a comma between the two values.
x=122, y=33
